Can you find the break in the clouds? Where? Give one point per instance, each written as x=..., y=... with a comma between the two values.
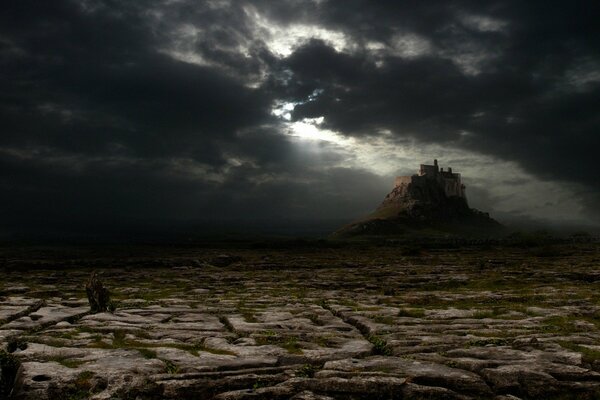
x=256, y=110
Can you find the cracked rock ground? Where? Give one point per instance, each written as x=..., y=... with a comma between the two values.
x=305, y=323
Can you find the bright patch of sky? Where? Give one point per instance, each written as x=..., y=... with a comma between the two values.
x=410, y=45
x=384, y=154
x=282, y=40
x=182, y=46
x=310, y=129
x=497, y=186
x=405, y=45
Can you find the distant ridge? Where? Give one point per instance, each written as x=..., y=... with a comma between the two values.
x=432, y=201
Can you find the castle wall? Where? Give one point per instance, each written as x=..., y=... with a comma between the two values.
x=450, y=182
x=402, y=180
x=453, y=187
x=430, y=170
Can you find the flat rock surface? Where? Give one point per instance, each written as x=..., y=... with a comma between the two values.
x=328, y=323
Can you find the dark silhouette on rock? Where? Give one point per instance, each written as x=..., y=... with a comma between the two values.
x=97, y=295
x=432, y=201
x=9, y=372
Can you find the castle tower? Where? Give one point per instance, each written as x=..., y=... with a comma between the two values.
x=429, y=170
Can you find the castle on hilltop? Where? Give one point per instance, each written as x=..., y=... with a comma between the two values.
x=432, y=201
x=449, y=180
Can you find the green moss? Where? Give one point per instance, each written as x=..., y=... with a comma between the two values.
x=411, y=312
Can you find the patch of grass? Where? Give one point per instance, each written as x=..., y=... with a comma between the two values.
x=152, y=296
x=119, y=338
x=490, y=341
x=380, y=346
x=347, y=303
x=69, y=335
x=70, y=363
x=147, y=353
x=292, y=346
x=299, y=293
x=170, y=367
x=323, y=303
x=482, y=314
x=314, y=318
x=325, y=341
x=249, y=316
x=560, y=324
x=259, y=384
x=85, y=375
x=411, y=312
x=120, y=341
x=496, y=334
x=307, y=371
x=288, y=343
x=384, y=319
x=212, y=350
x=588, y=355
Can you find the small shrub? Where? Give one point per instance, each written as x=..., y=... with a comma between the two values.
x=307, y=371
x=170, y=367
x=380, y=346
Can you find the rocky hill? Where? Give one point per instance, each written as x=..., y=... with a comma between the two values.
x=433, y=201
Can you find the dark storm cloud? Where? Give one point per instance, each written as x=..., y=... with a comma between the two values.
x=522, y=105
x=534, y=98
x=158, y=109
x=87, y=82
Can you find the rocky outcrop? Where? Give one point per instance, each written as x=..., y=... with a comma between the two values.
x=425, y=200
x=421, y=203
x=466, y=324
x=97, y=295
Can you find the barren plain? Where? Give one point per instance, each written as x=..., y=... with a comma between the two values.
x=303, y=322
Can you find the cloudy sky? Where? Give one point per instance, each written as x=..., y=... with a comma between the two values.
x=122, y=111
